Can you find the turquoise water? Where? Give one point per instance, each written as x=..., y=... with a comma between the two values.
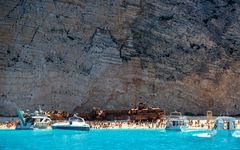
x=113, y=140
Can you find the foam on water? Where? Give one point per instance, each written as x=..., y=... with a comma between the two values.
x=204, y=135
x=236, y=134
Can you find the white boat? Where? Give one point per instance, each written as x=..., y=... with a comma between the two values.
x=32, y=121
x=223, y=126
x=176, y=122
x=225, y=123
x=41, y=122
x=74, y=123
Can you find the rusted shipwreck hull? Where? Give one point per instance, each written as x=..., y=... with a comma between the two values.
x=145, y=113
x=148, y=114
x=57, y=114
x=105, y=114
x=141, y=113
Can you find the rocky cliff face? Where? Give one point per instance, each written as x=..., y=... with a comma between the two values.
x=76, y=54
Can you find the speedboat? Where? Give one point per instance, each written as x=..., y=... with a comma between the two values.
x=41, y=122
x=32, y=121
x=225, y=123
x=73, y=123
x=223, y=126
x=176, y=122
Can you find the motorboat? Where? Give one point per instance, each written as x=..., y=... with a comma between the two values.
x=223, y=126
x=73, y=123
x=41, y=122
x=176, y=122
x=224, y=123
x=33, y=121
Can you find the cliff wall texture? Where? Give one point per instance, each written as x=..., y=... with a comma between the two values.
x=75, y=54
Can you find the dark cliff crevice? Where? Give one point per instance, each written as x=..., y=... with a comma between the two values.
x=34, y=34
x=20, y=7
x=19, y=4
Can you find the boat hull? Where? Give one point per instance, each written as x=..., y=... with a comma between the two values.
x=30, y=126
x=173, y=128
x=24, y=128
x=27, y=126
x=19, y=127
x=176, y=128
x=79, y=128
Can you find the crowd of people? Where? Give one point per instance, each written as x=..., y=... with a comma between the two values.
x=130, y=124
x=8, y=125
x=124, y=124
x=157, y=124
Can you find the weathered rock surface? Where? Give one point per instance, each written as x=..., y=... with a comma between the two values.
x=62, y=54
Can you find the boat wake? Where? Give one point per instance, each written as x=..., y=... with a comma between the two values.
x=194, y=130
x=203, y=135
x=236, y=134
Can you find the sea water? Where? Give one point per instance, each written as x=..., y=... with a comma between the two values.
x=118, y=139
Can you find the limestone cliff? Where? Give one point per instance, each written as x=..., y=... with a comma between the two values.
x=65, y=54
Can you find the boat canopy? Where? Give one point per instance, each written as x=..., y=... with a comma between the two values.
x=175, y=113
x=226, y=118
x=75, y=118
x=40, y=117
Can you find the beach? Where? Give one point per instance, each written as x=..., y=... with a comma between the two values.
x=195, y=123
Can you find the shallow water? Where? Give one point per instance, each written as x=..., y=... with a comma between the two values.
x=113, y=139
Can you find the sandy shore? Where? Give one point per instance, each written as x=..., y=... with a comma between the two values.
x=195, y=123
